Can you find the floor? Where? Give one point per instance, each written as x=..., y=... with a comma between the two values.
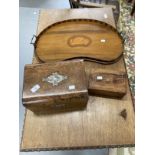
x=28, y=17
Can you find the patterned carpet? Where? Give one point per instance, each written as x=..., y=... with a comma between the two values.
x=126, y=26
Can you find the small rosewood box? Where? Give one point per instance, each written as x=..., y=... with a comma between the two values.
x=111, y=85
x=55, y=86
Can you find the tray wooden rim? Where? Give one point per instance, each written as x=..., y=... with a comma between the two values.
x=85, y=58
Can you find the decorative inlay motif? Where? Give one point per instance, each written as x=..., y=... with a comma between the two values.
x=55, y=78
x=78, y=41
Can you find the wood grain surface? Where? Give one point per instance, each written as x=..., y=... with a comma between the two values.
x=105, y=122
x=110, y=84
x=79, y=38
x=42, y=95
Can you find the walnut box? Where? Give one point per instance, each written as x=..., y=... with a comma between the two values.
x=111, y=85
x=55, y=86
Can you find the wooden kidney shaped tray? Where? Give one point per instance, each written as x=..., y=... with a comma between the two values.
x=87, y=38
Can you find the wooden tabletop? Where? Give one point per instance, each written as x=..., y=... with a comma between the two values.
x=100, y=125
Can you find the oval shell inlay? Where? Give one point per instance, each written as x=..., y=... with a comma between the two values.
x=78, y=41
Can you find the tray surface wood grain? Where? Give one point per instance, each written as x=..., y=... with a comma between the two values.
x=105, y=122
x=74, y=38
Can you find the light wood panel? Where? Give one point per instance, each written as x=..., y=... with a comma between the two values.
x=105, y=122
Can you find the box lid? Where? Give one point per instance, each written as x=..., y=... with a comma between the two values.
x=43, y=81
